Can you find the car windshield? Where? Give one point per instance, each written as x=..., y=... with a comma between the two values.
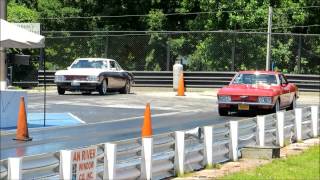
x=88, y=64
x=268, y=79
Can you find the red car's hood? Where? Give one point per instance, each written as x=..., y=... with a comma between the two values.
x=249, y=90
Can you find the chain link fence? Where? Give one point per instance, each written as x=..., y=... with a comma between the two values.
x=199, y=51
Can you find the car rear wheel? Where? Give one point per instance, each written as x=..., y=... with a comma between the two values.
x=223, y=111
x=276, y=107
x=126, y=88
x=102, y=89
x=61, y=91
x=293, y=103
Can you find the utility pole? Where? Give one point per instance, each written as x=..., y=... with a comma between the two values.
x=268, y=58
x=3, y=65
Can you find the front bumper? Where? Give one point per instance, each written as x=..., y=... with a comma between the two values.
x=234, y=106
x=78, y=86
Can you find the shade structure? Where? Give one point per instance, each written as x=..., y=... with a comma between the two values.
x=13, y=36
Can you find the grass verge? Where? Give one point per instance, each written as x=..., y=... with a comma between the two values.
x=303, y=166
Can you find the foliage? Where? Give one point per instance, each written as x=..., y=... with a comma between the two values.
x=212, y=52
x=21, y=13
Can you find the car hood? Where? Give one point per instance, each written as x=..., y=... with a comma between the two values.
x=249, y=90
x=80, y=72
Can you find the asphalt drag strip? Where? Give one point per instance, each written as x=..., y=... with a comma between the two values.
x=54, y=139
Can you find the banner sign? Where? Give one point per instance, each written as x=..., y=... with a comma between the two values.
x=32, y=27
x=84, y=163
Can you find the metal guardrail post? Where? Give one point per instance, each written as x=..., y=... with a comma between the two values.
x=65, y=164
x=146, y=163
x=179, y=153
x=14, y=168
x=280, y=128
x=208, y=140
x=110, y=151
x=314, y=120
x=298, y=123
x=260, y=129
x=233, y=145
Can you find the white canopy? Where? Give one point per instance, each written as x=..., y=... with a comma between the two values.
x=13, y=36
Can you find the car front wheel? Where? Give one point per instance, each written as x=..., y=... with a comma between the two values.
x=223, y=111
x=276, y=107
x=103, y=87
x=61, y=91
x=293, y=103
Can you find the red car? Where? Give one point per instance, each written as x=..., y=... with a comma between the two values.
x=257, y=90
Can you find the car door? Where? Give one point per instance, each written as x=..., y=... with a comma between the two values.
x=112, y=75
x=122, y=76
x=115, y=79
x=285, y=91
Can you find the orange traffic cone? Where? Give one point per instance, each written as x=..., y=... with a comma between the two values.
x=22, y=126
x=181, y=85
x=147, y=124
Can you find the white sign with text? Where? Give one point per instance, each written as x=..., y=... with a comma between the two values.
x=84, y=163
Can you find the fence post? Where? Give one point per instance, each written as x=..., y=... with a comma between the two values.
x=179, y=153
x=146, y=163
x=280, y=128
x=208, y=133
x=298, y=123
x=233, y=145
x=314, y=119
x=110, y=152
x=260, y=126
x=65, y=164
x=14, y=168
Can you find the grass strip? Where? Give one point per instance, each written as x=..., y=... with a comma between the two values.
x=302, y=166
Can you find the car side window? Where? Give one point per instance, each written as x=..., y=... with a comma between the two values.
x=112, y=64
x=118, y=67
x=105, y=64
x=283, y=80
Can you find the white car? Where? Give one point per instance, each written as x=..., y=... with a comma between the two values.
x=93, y=74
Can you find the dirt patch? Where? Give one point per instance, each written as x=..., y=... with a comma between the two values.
x=248, y=164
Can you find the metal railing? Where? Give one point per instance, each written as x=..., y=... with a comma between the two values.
x=192, y=79
x=197, y=144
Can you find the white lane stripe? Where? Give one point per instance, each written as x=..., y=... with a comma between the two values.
x=156, y=115
x=76, y=118
x=124, y=106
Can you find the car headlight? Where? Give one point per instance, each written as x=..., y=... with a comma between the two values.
x=92, y=78
x=59, y=78
x=224, y=98
x=265, y=100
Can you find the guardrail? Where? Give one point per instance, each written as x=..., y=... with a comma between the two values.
x=175, y=153
x=192, y=79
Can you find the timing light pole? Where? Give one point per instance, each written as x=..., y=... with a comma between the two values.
x=268, y=58
x=3, y=65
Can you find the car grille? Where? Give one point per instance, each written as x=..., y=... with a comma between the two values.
x=79, y=78
x=244, y=98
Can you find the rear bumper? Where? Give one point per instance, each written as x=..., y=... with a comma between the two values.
x=83, y=86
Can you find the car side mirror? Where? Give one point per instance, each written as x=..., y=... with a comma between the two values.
x=68, y=67
x=284, y=84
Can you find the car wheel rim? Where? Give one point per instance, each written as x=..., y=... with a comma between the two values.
x=104, y=87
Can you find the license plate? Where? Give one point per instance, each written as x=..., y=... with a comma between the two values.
x=75, y=83
x=243, y=107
